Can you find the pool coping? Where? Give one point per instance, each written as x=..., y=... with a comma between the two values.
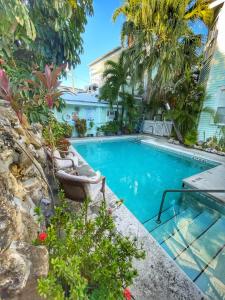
x=159, y=277
x=212, y=178
x=181, y=152
x=157, y=141
x=102, y=138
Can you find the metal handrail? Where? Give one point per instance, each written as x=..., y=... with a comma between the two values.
x=158, y=220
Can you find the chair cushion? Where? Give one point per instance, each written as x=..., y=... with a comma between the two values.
x=74, y=158
x=63, y=164
x=92, y=185
x=56, y=153
x=80, y=178
x=85, y=170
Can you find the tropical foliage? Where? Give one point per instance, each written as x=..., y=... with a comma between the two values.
x=36, y=35
x=34, y=97
x=46, y=86
x=11, y=94
x=89, y=259
x=113, y=90
x=215, y=143
x=118, y=89
x=81, y=127
x=55, y=132
x=186, y=100
x=43, y=32
x=110, y=128
x=163, y=46
x=15, y=25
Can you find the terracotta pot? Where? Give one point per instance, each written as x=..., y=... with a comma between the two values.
x=63, y=145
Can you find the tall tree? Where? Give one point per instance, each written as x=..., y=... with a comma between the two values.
x=113, y=90
x=15, y=24
x=44, y=32
x=161, y=37
x=59, y=25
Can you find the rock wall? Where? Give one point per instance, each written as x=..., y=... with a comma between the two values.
x=22, y=187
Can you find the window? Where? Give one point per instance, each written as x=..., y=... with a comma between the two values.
x=111, y=114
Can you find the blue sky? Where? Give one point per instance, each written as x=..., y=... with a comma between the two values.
x=101, y=35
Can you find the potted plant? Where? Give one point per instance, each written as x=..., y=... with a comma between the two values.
x=68, y=129
x=99, y=131
x=63, y=144
x=81, y=127
x=91, y=124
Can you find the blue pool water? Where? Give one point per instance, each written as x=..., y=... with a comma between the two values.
x=192, y=226
x=139, y=173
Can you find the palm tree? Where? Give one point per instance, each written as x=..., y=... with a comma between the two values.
x=113, y=90
x=145, y=12
x=161, y=35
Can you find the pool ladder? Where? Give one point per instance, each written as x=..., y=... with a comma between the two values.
x=158, y=220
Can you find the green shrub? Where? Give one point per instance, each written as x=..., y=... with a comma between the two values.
x=215, y=143
x=55, y=132
x=38, y=114
x=221, y=144
x=91, y=124
x=191, y=138
x=111, y=127
x=211, y=142
x=128, y=128
x=68, y=129
x=88, y=259
x=81, y=127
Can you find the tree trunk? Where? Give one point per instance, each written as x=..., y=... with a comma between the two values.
x=122, y=111
x=177, y=131
x=117, y=110
x=132, y=90
x=148, y=88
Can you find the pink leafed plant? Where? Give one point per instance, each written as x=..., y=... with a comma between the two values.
x=49, y=83
x=5, y=90
x=7, y=94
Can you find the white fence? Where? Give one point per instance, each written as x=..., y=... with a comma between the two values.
x=161, y=128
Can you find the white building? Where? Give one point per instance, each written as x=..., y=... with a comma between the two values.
x=86, y=106
x=213, y=75
x=97, y=67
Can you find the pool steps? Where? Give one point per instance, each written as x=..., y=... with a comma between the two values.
x=193, y=234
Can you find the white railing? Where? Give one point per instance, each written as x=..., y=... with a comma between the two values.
x=160, y=128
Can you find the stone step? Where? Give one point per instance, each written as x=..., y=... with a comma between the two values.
x=201, y=252
x=187, y=234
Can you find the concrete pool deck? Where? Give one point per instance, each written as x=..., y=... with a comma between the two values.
x=159, y=277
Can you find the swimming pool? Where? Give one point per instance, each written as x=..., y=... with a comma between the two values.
x=192, y=228
x=139, y=173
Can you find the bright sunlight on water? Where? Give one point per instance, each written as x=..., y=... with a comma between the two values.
x=139, y=173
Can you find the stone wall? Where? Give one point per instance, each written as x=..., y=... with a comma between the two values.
x=22, y=187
